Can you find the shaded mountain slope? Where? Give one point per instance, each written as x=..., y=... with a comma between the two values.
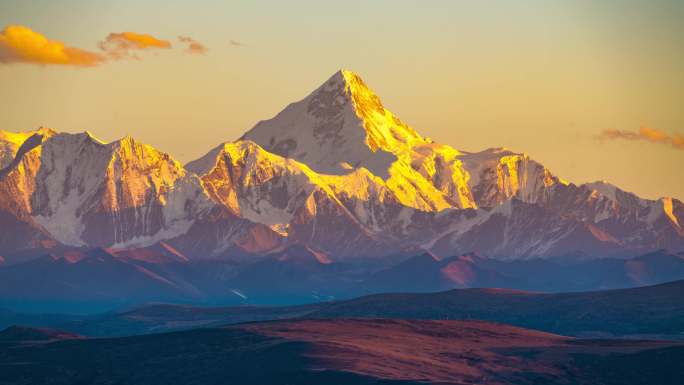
x=96, y=280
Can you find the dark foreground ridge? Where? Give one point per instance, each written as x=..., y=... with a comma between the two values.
x=343, y=351
x=652, y=311
x=645, y=312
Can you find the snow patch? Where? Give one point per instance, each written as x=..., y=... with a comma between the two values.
x=605, y=189
x=172, y=230
x=63, y=224
x=238, y=293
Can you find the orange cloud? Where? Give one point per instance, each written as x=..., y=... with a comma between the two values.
x=194, y=46
x=648, y=134
x=19, y=44
x=121, y=45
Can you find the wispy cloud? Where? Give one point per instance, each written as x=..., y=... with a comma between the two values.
x=646, y=134
x=20, y=44
x=194, y=47
x=123, y=45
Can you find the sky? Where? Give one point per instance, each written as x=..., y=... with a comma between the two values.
x=593, y=90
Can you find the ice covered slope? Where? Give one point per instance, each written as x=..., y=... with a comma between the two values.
x=86, y=192
x=352, y=215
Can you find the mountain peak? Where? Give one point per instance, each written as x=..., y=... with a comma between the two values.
x=384, y=130
x=12, y=142
x=352, y=86
x=92, y=137
x=345, y=76
x=342, y=123
x=46, y=132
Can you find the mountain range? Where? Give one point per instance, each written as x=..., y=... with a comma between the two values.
x=100, y=279
x=336, y=172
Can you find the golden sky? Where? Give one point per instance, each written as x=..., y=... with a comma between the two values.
x=594, y=90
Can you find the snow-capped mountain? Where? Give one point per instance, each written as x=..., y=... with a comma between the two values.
x=517, y=206
x=341, y=214
x=136, y=192
x=342, y=127
x=336, y=172
x=78, y=191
